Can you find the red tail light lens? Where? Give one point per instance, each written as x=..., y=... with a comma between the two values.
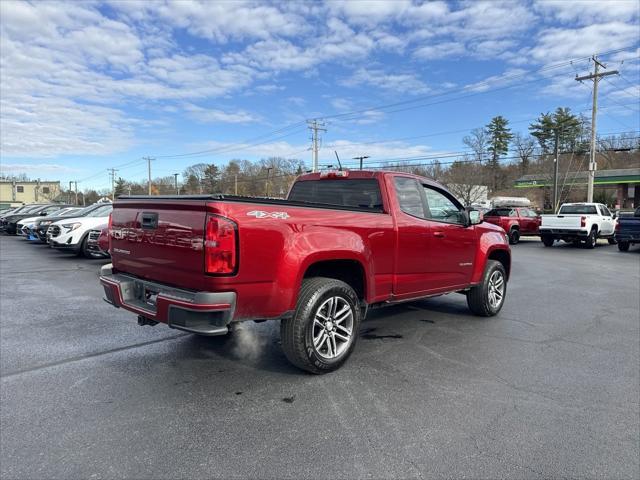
x=617, y=226
x=583, y=221
x=220, y=255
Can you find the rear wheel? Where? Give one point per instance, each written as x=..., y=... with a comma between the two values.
x=323, y=330
x=547, y=240
x=623, y=246
x=514, y=236
x=592, y=239
x=487, y=299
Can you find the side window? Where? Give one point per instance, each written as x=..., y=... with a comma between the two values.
x=409, y=198
x=513, y=213
x=441, y=208
x=605, y=211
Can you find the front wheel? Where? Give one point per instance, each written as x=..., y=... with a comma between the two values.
x=487, y=299
x=323, y=330
x=623, y=246
x=547, y=240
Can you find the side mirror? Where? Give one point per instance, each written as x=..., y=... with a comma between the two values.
x=475, y=216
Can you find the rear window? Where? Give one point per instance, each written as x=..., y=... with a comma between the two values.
x=358, y=193
x=578, y=210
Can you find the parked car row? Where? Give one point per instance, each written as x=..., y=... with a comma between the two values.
x=580, y=224
x=63, y=227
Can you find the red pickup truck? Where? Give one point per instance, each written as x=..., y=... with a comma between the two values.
x=341, y=243
x=516, y=221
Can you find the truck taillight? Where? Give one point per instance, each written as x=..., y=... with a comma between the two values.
x=220, y=255
x=617, y=226
x=109, y=225
x=583, y=221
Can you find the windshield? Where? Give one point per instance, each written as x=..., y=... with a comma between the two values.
x=578, y=210
x=103, y=211
x=73, y=212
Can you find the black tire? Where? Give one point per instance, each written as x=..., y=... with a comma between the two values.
x=592, y=239
x=297, y=333
x=612, y=241
x=547, y=240
x=514, y=236
x=478, y=297
x=84, y=251
x=623, y=246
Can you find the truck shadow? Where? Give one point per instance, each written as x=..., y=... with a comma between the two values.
x=257, y=346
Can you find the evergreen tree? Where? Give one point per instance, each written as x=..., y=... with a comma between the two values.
x=571, y=129
x=120, y=187
x=499, y=135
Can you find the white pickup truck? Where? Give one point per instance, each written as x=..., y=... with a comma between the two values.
x=578, y=223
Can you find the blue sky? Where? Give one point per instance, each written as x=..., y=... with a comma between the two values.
x=88, y=86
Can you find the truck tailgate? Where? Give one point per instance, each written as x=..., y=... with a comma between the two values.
x=159, y=239
x=561, y=222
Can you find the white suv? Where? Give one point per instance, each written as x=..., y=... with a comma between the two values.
x=72, y=233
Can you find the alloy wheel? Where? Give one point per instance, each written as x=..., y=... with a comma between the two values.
x=333, y=327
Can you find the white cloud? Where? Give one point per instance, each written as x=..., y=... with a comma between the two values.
x=213, y=115
x=440, y=50
x=589, y=11
x=509, y=77
x=47, y=127
x=557, y=44
x=35, y=167
x=393, y=82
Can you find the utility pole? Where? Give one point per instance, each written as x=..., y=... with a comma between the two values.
x=595, y=76
x=361, y=159
x=556, y=162
x=315, y=127
x=75, y=187
x=175, y=176
x=235, y=184
x=149, y=160
x=266, y=183
x=69, y=196
x=112, y=174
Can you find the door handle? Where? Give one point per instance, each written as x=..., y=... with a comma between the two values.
x=439, y=234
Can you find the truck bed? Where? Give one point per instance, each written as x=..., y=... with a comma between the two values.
x=161, y=239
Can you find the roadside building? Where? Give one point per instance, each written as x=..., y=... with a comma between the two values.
x=619, y=188
x=16, y=192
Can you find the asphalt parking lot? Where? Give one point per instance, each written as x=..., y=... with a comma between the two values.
x=549, y=389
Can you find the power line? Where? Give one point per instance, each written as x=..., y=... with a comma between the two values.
x=343, y=115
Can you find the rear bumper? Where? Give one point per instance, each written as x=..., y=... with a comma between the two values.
x=627, y=237
x=563, y=232
x=204, y=313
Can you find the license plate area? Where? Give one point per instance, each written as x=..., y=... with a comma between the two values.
x=145, y=297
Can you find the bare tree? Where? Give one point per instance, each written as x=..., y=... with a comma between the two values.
x=478, y=141
x=462, y=178
x=524, y=146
